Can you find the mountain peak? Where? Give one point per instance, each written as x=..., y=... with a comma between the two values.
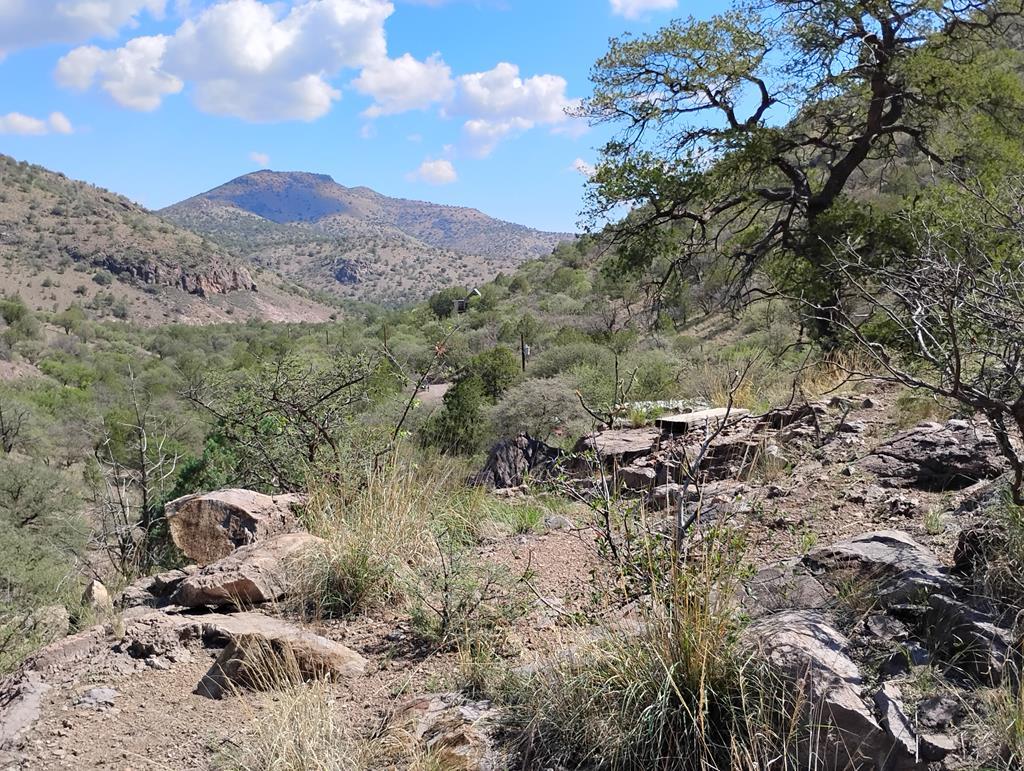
x=355, y=241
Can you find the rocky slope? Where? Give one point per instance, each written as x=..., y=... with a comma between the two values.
x=899, y=674
x=52, y=228
x=356, y=242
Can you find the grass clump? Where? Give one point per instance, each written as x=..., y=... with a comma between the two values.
x=372, y=539
x=684, y=693
x=301, y=730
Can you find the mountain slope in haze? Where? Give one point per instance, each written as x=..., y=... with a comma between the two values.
x=64, y=242
x=356, y=242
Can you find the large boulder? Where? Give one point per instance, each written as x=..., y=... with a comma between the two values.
x=251, y=575
x=209, y=526
x=900, y=569
x=264, y=653
x=813, y=657
x=511, y=461
x=937, y=456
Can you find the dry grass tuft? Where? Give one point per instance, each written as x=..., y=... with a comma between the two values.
x=683, y=693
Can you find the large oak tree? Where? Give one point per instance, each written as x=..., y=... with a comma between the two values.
x=748, y=142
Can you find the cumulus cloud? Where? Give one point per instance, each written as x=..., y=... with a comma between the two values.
x=132, y=75
x=27, y=23
x=584, y=168
x=244, y=58
x=405, y=83
x=435, y=172
x=500, y=104
x=634, y=9
x=26, y=125
x=261, y=159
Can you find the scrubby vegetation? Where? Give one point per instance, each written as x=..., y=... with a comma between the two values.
x=769, y=258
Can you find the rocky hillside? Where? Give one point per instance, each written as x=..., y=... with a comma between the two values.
x=867, y=546
x=356, y=242
x=63, y=241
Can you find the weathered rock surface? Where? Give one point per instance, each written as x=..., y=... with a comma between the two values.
x=687, y=421
x=786, y=586
x=251, y=575
x=20, y=703
x=937, y=456
x=889, y=701
x=814, y=656
x=454, y=730
x=97, y=599
x=264, y=652
x=969, y=638
x=884, y=554
x=154, y=591
x=48, y=623
x=511, y=461
x=209, y=526
x=621, y=445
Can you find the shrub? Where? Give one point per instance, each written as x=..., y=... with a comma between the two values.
x=459, y=426
x=497, y=369
x=462, y=602
x=541, y=407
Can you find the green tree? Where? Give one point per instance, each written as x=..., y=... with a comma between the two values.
x=742, y=135
x=443, y=303
x=71, y=319
x=497, y=369
x=458, y=428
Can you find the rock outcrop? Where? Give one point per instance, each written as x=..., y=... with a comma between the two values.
x=209, y=526
x=814, y=658
x=264, y=653
x=937, y=456
x=512, y=461
x=455, y=731
x=250, y=575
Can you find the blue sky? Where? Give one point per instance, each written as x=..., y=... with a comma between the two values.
x=454, y=101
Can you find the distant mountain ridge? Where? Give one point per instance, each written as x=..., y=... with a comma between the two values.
x=354, y=241
x=63, y=241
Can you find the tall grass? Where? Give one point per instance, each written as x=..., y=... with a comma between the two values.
x=381, y=542
x=684, y=693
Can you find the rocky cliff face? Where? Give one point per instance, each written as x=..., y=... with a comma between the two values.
x=47, y=220
x=204, y=282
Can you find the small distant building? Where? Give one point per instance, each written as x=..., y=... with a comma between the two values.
x=462, y=304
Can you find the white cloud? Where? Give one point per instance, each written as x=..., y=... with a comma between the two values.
x=261, y=159
x=584, y=168
x=26, y=125
x=634, y=9
x=501, y=94
x=405, y=83
x=482, y=136
x=435, y=172
x=501, y=104
x=132, y=75
x=27, y=23
x=244, y=58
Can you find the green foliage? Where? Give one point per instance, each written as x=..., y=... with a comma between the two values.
x=442, y=303
x=497, y=369
x=458, y=427
x=769, y=136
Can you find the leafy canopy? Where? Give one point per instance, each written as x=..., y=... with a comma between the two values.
x=749, y=139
